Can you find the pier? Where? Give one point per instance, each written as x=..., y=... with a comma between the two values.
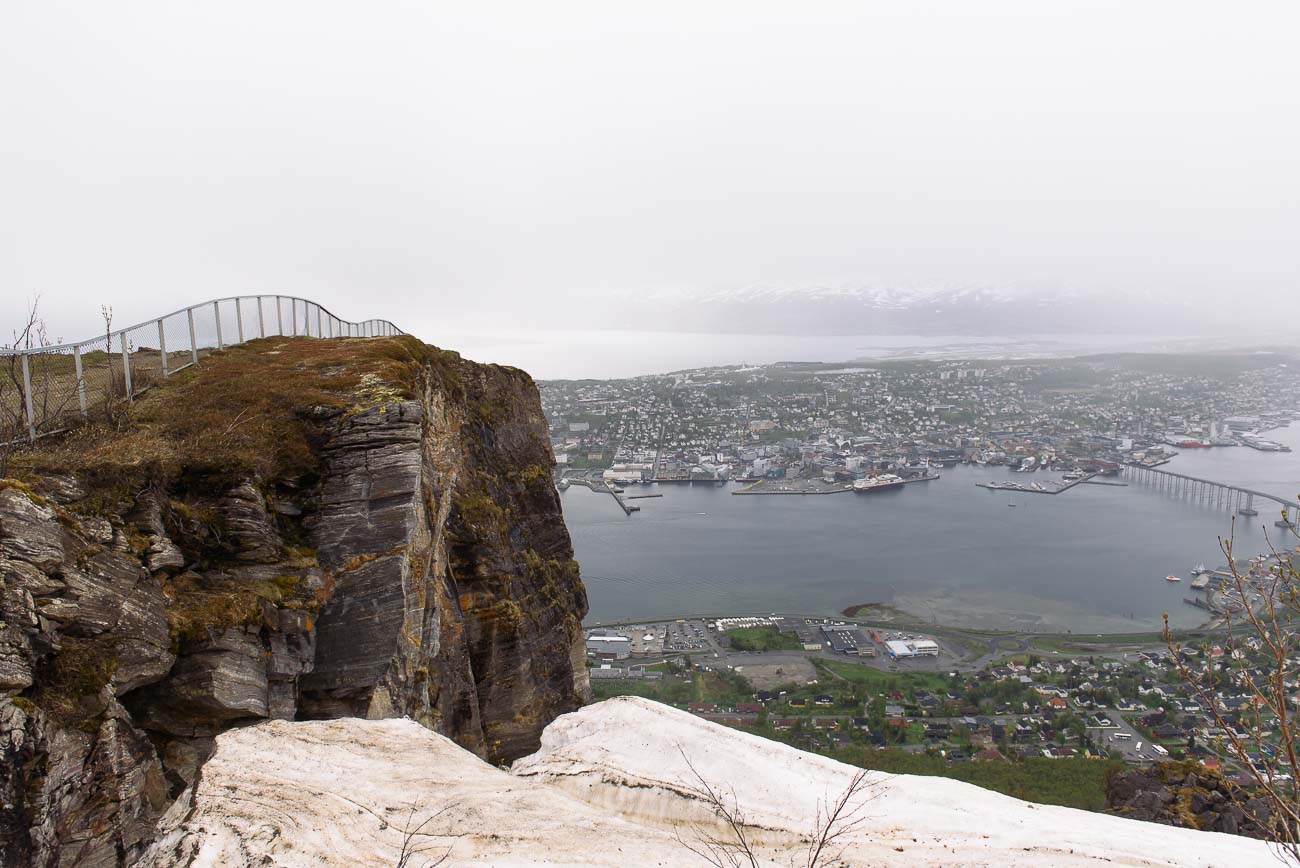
x=1219, y=495
x=600, y=486
x=1020, y=488
x=795, y=489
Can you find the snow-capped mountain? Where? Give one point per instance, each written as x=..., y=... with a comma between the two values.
x=862, y=309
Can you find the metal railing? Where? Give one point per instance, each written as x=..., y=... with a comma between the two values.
x=42, y=387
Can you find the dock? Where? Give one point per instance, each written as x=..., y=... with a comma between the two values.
x=926, y=478
x=1057, y=486
x=601, y=487
x=755, y=488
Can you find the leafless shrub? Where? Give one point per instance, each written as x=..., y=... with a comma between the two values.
x=14, y=395
x=1261, y=659
x=835, y=820
x=415, y=841
x=838, y=818
x=733, y=850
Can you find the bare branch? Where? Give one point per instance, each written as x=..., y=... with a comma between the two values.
x=413, y=847
x=733, y=851
x=836, y=820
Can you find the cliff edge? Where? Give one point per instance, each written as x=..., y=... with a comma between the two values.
x=294, y=529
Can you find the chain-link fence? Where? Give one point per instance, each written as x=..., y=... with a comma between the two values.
x=43, y=388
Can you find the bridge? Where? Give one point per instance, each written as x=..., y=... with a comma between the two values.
x=1207, y=491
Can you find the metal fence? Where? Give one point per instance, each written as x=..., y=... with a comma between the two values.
x=43, y=388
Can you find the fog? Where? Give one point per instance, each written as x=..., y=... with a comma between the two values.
x=529, y=167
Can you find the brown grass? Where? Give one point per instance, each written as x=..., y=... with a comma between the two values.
x=252, y=411
x=244, y=412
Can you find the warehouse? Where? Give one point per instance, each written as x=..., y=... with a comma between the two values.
x=900, y=649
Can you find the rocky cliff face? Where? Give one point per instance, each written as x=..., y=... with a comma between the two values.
x=295, y=529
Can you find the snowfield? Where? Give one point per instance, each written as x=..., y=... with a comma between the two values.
x=611, y=786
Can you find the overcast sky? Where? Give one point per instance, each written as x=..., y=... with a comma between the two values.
x=494, y=164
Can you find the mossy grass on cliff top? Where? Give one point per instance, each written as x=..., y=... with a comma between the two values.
x=245, y=411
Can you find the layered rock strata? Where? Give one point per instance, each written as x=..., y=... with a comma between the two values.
x=168, y=579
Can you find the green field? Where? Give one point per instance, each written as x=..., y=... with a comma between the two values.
x=766, y=638
x=724, y=688
x=1075, y=782
x=870, y=676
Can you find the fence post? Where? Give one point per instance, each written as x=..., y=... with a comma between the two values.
x=279, y=316
x=216, y=314
x=81, y=380
x=239, y=320
x=27, y=399
x=126, y=366
x=194, y=344
x=293, y=315
x=261, y=320
x=320, y=332
x=162, y=348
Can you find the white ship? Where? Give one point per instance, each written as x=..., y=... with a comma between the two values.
x=873, y=484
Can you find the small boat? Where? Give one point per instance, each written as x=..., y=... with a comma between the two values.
x=1199, y=568
x=1011, y=503
x=1172, y=579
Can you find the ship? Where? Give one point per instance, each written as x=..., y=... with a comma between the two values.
x=1199, y=568
x=873, y=484
x=1201, y=582
x=1173, y=579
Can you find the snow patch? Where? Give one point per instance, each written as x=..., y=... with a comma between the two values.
x=610, y=785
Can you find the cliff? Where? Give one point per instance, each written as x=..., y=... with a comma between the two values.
x=610, y=786
x=294, y=529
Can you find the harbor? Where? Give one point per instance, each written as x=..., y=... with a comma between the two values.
x=1245, y=585
x=698, y=548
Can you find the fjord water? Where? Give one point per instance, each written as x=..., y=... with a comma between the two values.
x=1090, y=560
